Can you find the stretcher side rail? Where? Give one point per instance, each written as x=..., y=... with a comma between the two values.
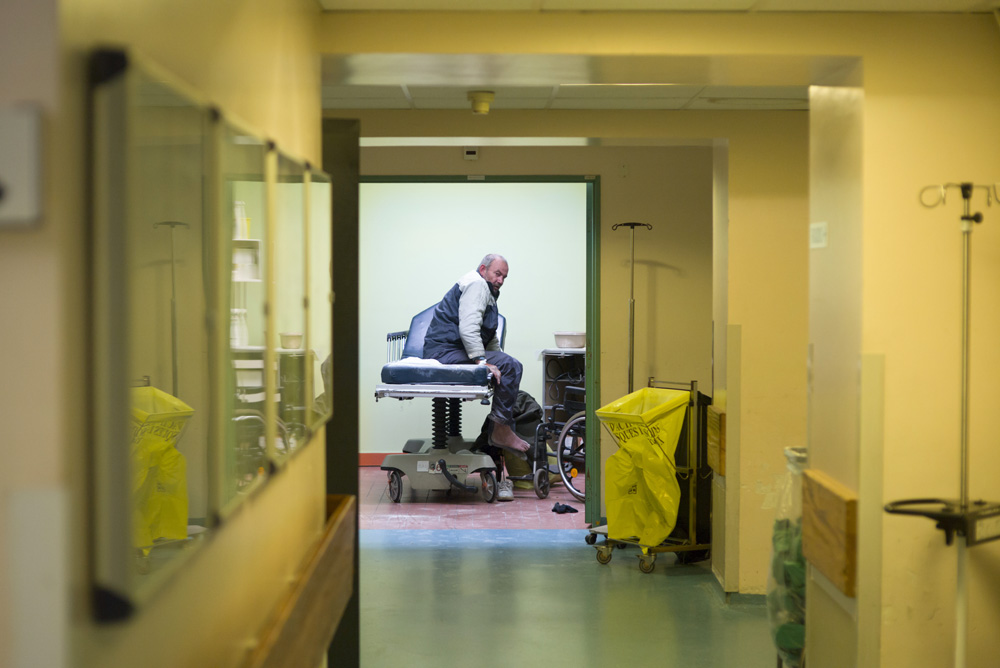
x=482, y=393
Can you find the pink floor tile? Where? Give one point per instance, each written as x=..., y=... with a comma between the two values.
x=424, y=509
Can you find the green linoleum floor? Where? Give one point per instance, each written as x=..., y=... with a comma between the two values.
x=485, y=598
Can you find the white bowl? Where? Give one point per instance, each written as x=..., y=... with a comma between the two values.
x=290, y=341
x=570, y=339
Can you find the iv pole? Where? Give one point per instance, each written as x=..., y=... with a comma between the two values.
x=631, y=295
x=961, y=594
x=973, y=522
x=172, y=224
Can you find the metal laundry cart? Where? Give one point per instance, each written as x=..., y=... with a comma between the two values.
x=690, y=537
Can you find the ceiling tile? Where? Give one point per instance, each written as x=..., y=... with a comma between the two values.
x=364, y=103
x=979, y=6
x=428, y=5
x=520, y=103
x=626, y=91
x=649, y=5
x=745, y=103
x=873, y=6
x=368, y=92
x=788, y=92
x=453, y=102
x=501, y=92
x=618, y=103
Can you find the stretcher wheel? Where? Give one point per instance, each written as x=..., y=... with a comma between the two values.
x=395, y=486
x=591, y=538
x=541, y=482
x=604, y=555
x=647, y=563
x=488, y=485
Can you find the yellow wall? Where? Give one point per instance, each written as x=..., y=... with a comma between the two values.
x=911, y=315
x=257, y=60
x=931, y=90
x=767, y=273
x=31, y=359
x=835, y=335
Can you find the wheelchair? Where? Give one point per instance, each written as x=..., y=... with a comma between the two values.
x=567, y=441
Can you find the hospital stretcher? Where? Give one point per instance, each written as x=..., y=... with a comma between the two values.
x=445, y=460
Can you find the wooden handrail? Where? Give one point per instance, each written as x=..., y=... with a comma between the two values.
x=306, y=621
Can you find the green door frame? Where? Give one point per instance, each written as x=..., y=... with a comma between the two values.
x=592, y=504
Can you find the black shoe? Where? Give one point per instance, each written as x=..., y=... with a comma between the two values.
x=563, y=508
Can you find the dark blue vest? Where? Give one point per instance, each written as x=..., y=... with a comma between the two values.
x=443, y=334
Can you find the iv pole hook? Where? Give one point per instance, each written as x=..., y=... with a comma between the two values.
x=631, y=295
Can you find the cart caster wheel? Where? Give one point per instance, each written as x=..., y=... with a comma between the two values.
x=591, y=538
x=647, y=563
x=604, y=555
x=541, y=482
x=395, y=486
x=488, y=486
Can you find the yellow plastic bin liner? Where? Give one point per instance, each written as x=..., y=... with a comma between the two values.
x=159, y=470
x=641, y=492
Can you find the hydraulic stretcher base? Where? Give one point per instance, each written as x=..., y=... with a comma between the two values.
x=441, y=469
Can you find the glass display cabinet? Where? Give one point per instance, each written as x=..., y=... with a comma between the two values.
x=209, y=246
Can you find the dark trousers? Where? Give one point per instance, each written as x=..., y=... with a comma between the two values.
x=505, y=393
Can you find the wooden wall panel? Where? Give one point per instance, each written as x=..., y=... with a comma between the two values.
x=830, y=529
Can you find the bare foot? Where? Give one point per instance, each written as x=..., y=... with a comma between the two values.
x=502, y=436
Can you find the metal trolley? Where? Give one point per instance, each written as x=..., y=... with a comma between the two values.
x=691, y=537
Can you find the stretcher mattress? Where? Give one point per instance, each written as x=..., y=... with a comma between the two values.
x=416, y=371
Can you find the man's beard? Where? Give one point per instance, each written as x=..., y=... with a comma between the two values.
x=494, y=290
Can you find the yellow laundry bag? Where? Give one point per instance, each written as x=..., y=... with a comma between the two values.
x=159, y=470
x=641, y=491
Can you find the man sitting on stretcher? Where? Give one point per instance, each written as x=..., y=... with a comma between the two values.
x=463, y=330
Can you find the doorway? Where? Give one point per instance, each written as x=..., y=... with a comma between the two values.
x=417, y=235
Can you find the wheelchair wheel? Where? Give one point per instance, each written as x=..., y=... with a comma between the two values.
x=541, y=482
x=571, y=454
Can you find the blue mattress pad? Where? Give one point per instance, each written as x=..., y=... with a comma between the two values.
x=416, y=371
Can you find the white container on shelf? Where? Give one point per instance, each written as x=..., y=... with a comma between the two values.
x=290, y=341
x=570, y=339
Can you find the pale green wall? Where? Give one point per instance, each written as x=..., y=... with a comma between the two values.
x=289, y=251
x=668, y=186
x=320, y=293
x=417, y=239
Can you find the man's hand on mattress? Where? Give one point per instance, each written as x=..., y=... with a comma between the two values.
x=495, y=371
